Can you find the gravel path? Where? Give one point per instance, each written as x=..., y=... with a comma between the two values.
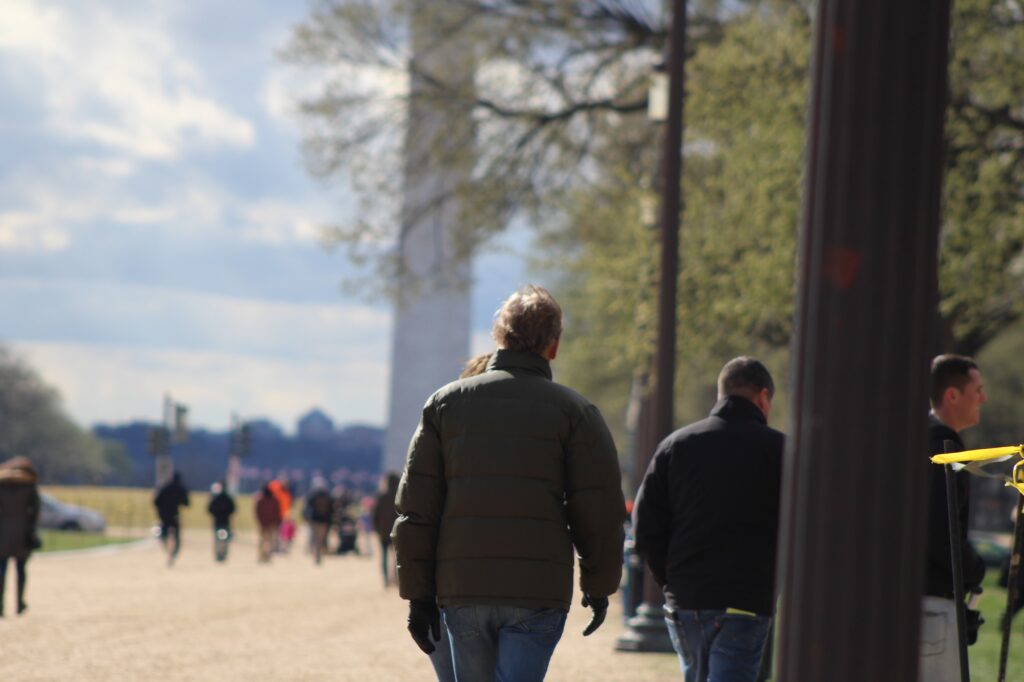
x=120, y=614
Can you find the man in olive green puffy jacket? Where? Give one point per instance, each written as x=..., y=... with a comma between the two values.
x=506, y=474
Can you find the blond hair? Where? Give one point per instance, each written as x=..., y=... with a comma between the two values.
x=475, y=365
x=529, y=320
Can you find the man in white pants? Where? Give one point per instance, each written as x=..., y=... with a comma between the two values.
x=956, y=396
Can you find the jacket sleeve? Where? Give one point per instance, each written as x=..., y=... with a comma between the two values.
x=652, y=517
x=594, y=503
x=419, y=503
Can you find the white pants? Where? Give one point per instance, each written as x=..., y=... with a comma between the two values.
x=939, y=659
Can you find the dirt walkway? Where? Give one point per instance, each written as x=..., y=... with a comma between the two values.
x=121, y=615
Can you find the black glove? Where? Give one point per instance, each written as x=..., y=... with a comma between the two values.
x=424, y=623
x=600, y=607
x=973, y=621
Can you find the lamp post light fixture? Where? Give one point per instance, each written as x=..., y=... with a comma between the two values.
x=173, y=429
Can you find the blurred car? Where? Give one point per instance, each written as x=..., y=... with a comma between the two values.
x=57, y=515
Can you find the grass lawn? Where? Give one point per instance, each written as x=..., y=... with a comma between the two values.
x=984, y=655
x=59, y=540
x=132, y=508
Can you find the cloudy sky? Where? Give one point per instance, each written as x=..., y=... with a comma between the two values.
x=157, y=230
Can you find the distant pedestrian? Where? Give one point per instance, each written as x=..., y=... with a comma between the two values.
x=286, y=530
x=319, y=512
x=19, y=512
x=348, y=528
x=366, y=507
x=221, y=507
x=706, y=520
x=168, y=502
x=268, y=517
x=384, y=516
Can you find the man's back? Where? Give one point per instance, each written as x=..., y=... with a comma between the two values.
x=221, y=508
x=938, y=566
x=171, y=497
x=512, y=470
x=708, y=513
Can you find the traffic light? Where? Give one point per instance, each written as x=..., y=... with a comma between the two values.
x=245, y=439
x=157, y=440
x=241, y=440
x=180, y=423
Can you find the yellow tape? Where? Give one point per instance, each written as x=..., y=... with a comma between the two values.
x=978, y=455
x=739, y=612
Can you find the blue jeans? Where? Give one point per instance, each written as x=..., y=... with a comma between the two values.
x=502, y=643
x=441, y=659
x=714, y=646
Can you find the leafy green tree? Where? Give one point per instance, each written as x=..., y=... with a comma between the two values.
x=553, y=79
x=559, y=101
x=744, y=117
x=745, y=121
x=33, y=423
x=981, y=269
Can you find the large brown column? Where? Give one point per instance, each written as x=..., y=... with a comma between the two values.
x=854, y=492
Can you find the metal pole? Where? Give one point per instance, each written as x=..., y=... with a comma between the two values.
x=647, y=631
x=956, y=562
x=163, y=463
x=855, y=479
x=232, y=478
x=1011, y=586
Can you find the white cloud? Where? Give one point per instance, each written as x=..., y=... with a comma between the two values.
x=20, y=232
x=135, y=315
x=279, y=222
x=117, y=80
x=112, y=384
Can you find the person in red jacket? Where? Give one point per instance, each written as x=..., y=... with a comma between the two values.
x=268, y=516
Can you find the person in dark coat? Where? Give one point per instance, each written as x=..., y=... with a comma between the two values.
x=221, y=507
x=168, y=501
x=510, y=481
x=384, y=516
x=319, y=513
x=706, y=520
x=19, y=512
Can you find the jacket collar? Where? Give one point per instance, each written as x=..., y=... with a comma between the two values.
x=522, y=361
x=733, y=407
x=941, y=429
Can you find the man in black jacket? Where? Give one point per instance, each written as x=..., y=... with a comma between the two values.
x=221, y=507
x=706, y=521
x=956, y=395
x=172, y=496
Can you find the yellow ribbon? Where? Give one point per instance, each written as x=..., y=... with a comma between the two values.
x=982, y=455
x=1015, y=480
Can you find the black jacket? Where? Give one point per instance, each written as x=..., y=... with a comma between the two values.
x=938, y=571
x=707, y=514
x=319, y=507
x=172, y=496
x=221, y=508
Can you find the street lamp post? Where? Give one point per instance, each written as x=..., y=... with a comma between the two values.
x=173, y=429
x=647, y=631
